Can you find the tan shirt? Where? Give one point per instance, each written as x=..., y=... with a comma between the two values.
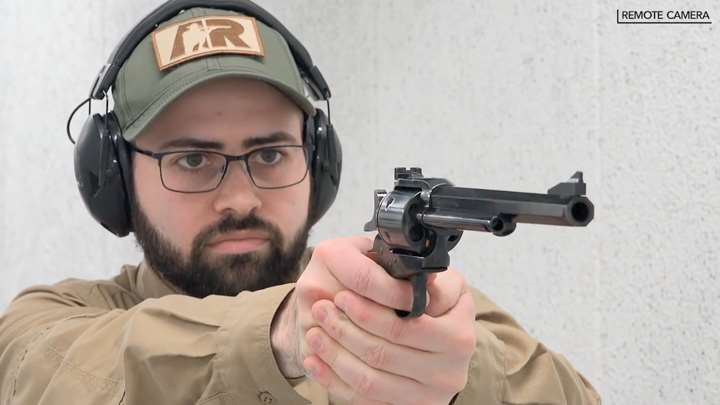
x=134, y=340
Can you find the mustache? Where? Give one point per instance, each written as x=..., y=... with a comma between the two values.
x=232, y=223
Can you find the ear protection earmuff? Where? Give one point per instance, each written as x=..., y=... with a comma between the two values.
x=103, y=165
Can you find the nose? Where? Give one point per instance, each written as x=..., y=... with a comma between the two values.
x=237, y=192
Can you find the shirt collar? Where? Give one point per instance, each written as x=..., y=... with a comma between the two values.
x=151, y=285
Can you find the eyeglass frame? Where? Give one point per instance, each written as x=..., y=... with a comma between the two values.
x=228, y=159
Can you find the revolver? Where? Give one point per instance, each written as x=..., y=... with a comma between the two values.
x=423, y=218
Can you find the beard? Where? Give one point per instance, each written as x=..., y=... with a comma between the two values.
x=200, y=275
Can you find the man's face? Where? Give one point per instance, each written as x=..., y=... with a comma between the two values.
x=238, y=236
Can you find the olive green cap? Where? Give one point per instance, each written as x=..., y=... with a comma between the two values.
x=193, y=48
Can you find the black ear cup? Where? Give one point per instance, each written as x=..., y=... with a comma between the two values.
x=99, y=171
x=326, y=165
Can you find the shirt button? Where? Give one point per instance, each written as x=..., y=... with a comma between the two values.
x=266, y=397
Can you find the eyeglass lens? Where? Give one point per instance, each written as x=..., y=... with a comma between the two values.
x=197, y=171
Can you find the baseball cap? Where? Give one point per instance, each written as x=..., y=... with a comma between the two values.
x=198, y=45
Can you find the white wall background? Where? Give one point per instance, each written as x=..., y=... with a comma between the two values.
x=504, y=94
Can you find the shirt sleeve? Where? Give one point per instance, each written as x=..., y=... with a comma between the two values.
x=54, y=348
x=510, y=367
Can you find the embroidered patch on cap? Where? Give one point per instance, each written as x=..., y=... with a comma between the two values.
x=204, y=36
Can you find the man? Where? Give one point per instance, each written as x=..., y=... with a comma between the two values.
x=227, y=308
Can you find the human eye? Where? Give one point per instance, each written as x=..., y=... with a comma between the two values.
x=190, y=160
x=268, y=156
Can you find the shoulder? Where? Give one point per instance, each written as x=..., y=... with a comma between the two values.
x=111, y=294
x=490, y=314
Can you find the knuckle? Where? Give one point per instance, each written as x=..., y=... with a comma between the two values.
x=465, y=342
x=365, y=384
x=322, y=249
x=308, y=287
x=314, y=342
x=362, y=280
x=401, y=298
x=376, y=356
x=360, y=314
x=336, y=330
x=398, y=329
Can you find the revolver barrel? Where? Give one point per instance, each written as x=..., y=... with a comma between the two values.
x=488, y=210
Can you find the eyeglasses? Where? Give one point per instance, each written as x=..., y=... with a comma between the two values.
x=199, y=171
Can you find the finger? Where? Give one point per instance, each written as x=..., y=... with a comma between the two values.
x=357, y=272
x=444, y=291
x=376, y=352
x=361, y=242
x=422, y=333
x=319, y=281
x=365, y=381
x=337, y=389
x=463, y=311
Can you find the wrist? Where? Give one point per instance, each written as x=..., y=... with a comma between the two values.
x=283, y=339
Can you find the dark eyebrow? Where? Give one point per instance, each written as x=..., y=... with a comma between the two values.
x=272, y=138
x=247, y=143
x=192, y=143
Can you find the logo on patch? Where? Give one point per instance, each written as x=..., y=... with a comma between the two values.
x=203, y=36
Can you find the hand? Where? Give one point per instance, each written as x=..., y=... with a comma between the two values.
x=365, y=354
x=335, y=265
